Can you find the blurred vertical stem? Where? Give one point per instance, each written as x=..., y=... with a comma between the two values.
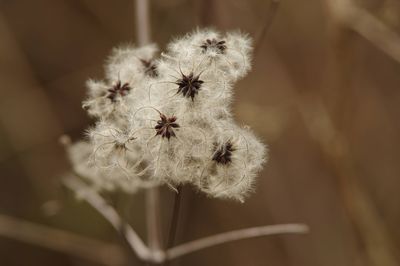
x=153, y=218
x=348, y=20
x=175, y=218
x=207, y=13
x=143, y=31
x=269, y=18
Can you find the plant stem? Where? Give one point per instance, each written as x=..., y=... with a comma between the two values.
x=175, y=218
x=349, y=15
x=218, y=239
x=61, y=241
x=271, y=13
x=174, y=221
x=153, y=219
x=109, y=213
x=157, y=256
x=143, y=30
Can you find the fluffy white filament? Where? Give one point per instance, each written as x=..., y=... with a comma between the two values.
x=168, y=120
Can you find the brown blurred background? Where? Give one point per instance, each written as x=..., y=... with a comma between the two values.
x=324, y=94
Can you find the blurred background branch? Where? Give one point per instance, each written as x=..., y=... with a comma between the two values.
x=349, y=15
x=61, y=241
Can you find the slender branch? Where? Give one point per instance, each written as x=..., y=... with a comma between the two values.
x=154, y=236
x=207, y=9
x=109, y=213
x=235, y=235
x=271, y=13
x=371, y=230
x=143, y=30
x=159, y=256
x=61, y=241
x=378, y=33
x=175, y=218
x=368, y=26
x=153, y=219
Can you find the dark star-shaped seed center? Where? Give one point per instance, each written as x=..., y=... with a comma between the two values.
x=118, y=89
x=165, y=126
x=189, y=85
x=223, y=153
x=150, y=69
x=213, y=44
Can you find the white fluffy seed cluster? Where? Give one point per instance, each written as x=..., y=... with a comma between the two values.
x=168, y=120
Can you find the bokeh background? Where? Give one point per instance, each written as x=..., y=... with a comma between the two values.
x=324, y=94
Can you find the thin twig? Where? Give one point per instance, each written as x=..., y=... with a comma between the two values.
x=272, y=10
x=159, y=256
x=61, y=241
x=109, y=213
x=235, y=235
x=349, y=15
x=174, y=221
x=153, y=219
x=175, y=217
x=335, y=150
x=143, y=30
x=351, y=20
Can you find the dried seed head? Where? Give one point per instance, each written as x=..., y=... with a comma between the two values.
x=223, y=153
x=189, y=85
x=150, y=69
x=213, y=44
x=165, y=126
x=210, y=151
x=118, y=89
